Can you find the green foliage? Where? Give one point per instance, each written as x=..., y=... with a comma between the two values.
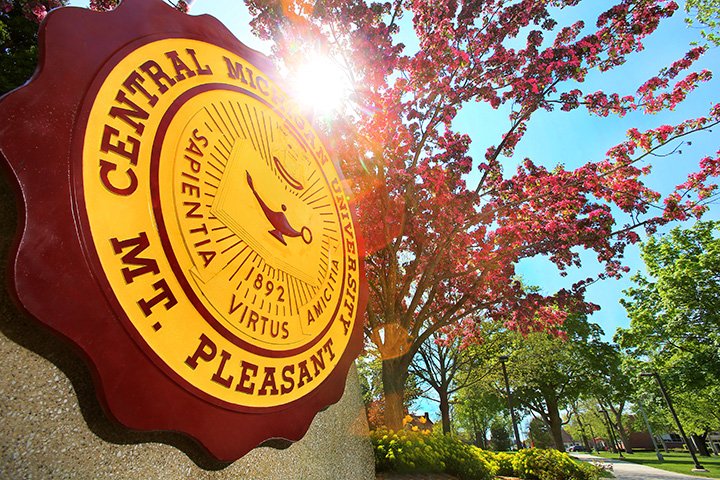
x=500, y=435
x=503, y=460
x=707, y=14
x=675, y=320
x=541, y=464
x=475, y=409
x=407, y=451
x=678, y=308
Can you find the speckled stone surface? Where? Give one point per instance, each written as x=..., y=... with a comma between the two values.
x=52, y=426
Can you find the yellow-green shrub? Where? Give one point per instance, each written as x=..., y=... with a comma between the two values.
x=548, y=464
x=502, y=462
x=464, y=461
x=407, y=451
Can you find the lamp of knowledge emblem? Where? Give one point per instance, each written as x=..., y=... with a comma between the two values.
x=185, y=227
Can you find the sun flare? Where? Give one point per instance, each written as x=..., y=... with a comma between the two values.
x=322, y=85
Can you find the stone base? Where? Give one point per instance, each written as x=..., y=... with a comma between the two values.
x=45, y=433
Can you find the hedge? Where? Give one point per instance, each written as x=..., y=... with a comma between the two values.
x=422, y=452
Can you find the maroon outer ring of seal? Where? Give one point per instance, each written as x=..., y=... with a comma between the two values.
x=51, y=277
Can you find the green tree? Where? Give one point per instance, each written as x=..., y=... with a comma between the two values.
x=613, y=388
x=447, y=368
x=500, y=434
x=439, y=366
x=540, y=434
x=475, y=410
x=674, y=317
x=584, y=422
x=707, y=14
x=675, y=311
x=548, y=372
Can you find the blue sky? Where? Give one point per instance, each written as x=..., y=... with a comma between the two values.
x=574, y=138
x=571, y=138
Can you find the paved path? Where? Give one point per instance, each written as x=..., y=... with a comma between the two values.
x=632, y=471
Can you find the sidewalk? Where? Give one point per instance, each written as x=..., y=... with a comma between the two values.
x=632, y=471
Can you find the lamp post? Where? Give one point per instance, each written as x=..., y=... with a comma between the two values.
x=652, y=437
x=503, y=359
x=698, y=467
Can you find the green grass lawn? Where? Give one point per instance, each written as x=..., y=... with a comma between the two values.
x=674, y=462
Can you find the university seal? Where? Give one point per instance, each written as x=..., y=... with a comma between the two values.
x=185, y=227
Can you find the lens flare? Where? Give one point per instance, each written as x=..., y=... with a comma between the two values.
x=322, y=85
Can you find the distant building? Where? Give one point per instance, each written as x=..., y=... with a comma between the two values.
x=640, y=441
x=714, y=441
x=568, y=439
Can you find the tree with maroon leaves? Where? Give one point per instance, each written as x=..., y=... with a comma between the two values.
x=444, y=231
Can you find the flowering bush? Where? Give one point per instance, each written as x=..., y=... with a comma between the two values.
x=405, y=451
x=409, y=451
x=602, y=465
x=548, y=464
x=464, y=461
x=502, y=461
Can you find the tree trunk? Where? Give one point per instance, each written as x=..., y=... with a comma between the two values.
x=611, y=441
x=394, y=375
x=484, y=427
x=699, y=444
x=445, y=411
x=555, y=423
x=479, y=441
x=624, y=437
x=582, y=432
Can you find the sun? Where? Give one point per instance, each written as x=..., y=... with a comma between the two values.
x=322, y=85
